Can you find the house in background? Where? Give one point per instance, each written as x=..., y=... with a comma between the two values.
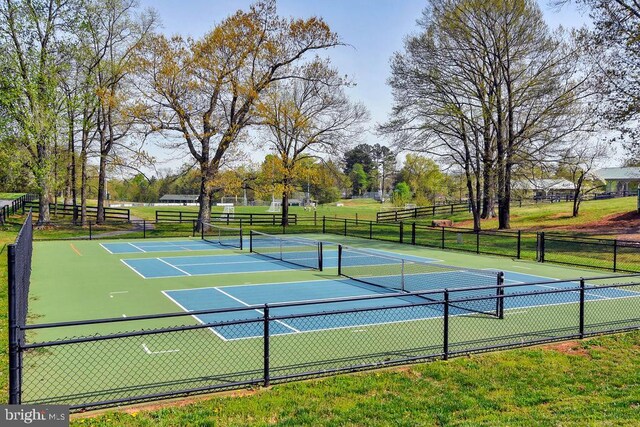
x=539, y=189
x=620, y=180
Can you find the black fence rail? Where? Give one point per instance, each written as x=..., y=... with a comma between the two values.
x=422, y=212
x=108, y=362
x=16, y=206
x=110, y=214
x=609, y=254
x=226, y=218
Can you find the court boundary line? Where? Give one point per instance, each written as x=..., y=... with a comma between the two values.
x=255, y=309
x=171, y=265
x=197, y=319
x=138, y=248
x=106, y=249
x=124, y=261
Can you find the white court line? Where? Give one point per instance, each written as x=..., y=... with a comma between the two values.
x=253, y=284
x=572, y=291
x=259, y=311
x=124, y=315
x=106, y=249
x=118, y=292
x=195, y=317
x=173, y=266
x=124, y=261
x=518, y=266
x=146, y=350
x=137, y=247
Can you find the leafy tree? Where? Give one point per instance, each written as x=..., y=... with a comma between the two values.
x=204, y=92
x=401, y=194
x=359, y=154
x=424, y=176
x=359, y=179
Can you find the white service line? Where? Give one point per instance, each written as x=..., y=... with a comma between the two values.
x=105, y=248
x=137, y=247
x=136, y=271
x=195, y=317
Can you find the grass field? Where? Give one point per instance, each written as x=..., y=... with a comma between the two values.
x=10, y=196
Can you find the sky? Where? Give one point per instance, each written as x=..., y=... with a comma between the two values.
x=373, y=30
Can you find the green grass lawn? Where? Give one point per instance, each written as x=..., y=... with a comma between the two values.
x=10, y=196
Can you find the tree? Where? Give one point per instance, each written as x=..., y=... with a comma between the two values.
x=401, y=194
x=358, y=154
x=30, y=42
x=308, y=116
x=204, y=92
x=577, y=163
x=359, y=178
x=486, y=86
x=424, y=176
x=613, y=43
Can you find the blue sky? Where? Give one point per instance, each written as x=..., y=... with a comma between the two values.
x=374, y=29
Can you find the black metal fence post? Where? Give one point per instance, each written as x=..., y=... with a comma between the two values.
x=581, y=325
x=267, y=378
x=540, y=247
x=500, y=296
x=370, y=230
x=519, y=243
x=345, y=226
x=477, y=241
x=445, y=338
x=615, y=255
x=413, y=233
x=339, y=260
x=15, y=365
x=90, y=231
x=324, y=224
x=401, y=230
x=144, y=229
x=442, y=237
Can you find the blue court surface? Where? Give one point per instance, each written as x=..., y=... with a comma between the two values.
x=160, y=246
x=251, y=295
x=179, y=266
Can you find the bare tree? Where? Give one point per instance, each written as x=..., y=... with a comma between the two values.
x=204, y=92
x=308, y=116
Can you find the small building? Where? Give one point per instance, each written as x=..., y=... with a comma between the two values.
x=544, y=188
x=621, y=181
x=179, y=199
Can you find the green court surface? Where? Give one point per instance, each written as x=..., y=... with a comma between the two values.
x=81, y=280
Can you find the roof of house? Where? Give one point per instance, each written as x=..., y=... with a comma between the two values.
x=180, y=197
x=618, y=174
x=544, y=184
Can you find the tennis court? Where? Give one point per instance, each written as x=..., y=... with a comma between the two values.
x=239, y=318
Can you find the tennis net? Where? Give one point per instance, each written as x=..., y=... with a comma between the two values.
x=293, y=250
x=225, y=236
x=482, y=288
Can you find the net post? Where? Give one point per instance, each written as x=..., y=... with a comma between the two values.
x=267, y=378
x=581, y=323
x=445, y=338
x=320, y=256
x=402, y=276
x=250, y=240
x=339, y=260
x=500, y=295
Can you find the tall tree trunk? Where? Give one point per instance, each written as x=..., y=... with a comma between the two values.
x=204, y=211
x=102, y=180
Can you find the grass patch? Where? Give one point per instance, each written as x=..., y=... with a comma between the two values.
x=10, y=196
x=577, y=383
